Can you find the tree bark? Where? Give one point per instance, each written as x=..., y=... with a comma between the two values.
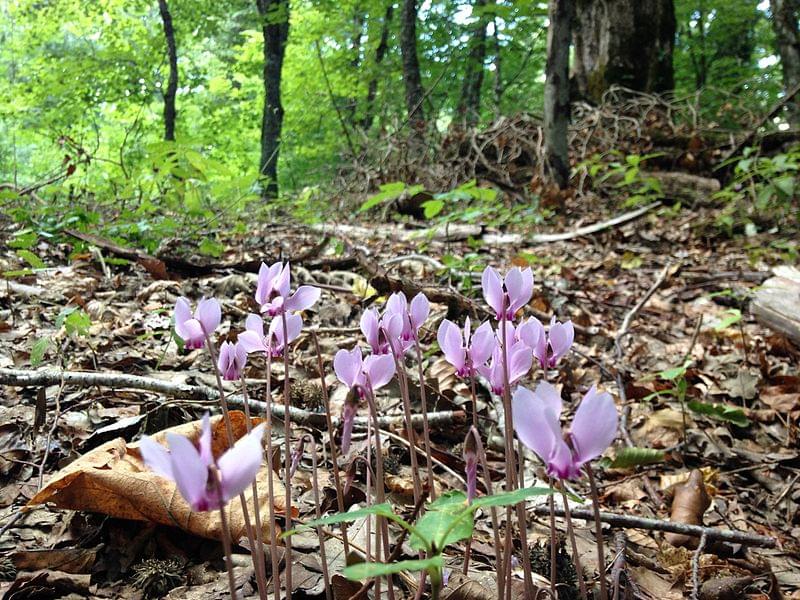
x=380, y=53
x=469, y=104
x=172, y=83
x=411, y=74
x=556, y=90
x=623, y=42
x=785, y=14
x=275, y=27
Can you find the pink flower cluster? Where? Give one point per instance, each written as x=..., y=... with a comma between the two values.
x=190, y=467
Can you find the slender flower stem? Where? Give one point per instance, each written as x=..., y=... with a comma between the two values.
x=380, y=492
x=226, y=532
x=229, y=429
x=474, y=401
x=576, y=559
x=553, y=545
x=258, y=559
x=332, y=444
x=601, y=559
x=402, y=379
x=509, y=448
x=273, y=536
x=425, y=429
x=315, y=486
x=487, y=477
x=287, y=465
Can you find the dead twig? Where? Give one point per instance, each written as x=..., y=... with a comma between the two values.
x=202, y=393
x=628, y=521
x=544, y=238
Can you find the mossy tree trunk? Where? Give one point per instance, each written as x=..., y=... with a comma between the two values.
x=623, y=42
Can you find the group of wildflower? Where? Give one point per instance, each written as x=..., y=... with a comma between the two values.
x=502, y=354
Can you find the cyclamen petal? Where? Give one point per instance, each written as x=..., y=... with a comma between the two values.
x=239, y=465
x=156, y=457
x=419, y=310
x=594, y=426
x=209, y=314
x=380, y=370
x=190, y=473
x=449, y=338
x=370, y=327
x=560, y=338
x=304, y=297
x=530, y=422
x=482, y=344
x=492, y=286
x=347, y=366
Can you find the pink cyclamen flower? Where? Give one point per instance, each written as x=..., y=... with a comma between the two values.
x=372, y=328
x=402, y=320
x=513, y=292
x=193, y=329
x=274, y=285
x=362, y=376
x=190, y=467
x=520, y=359
x=253, y=338
x=232, y=358
x=548, y=347
x=468, y=352
x=536, y=417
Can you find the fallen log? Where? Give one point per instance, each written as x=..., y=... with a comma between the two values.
x=777, y=303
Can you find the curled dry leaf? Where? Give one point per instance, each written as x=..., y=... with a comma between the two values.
x=113, y=480
x=690, y=502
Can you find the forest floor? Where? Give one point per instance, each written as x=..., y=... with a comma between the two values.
x=743, y=378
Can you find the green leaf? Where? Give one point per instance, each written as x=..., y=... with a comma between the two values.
x=723, y=412
x=627, y=458
x=388, y=191
x=675, y=372
x=445, y=522
x=510, y=497
x=24, y=239
x=40, y=346
x=731, y=316
x=366, y=570
x=211, y=248
x=431, y=208
x=30, y=258
x=381, y=510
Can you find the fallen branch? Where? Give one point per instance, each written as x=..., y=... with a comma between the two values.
x=202, y=393
x=628, y=521
x=543, y=238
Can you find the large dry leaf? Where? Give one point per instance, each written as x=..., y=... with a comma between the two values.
x=113, y=480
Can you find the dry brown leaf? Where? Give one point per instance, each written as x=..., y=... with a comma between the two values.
x=113, y=480
x=688, y=506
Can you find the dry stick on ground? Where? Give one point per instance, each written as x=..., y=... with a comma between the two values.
x=544, y=238
x=621, y=333
x=631, y=522
x=202, y=393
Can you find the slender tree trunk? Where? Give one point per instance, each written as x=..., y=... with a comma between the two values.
x=785, y=14
x=380, y=53
x=275, y=26
x=498, y=72
x=411, y=74
x=623, y=42
x=359, y=20
x=172, y=83
x=556, y=90
x=469, y=105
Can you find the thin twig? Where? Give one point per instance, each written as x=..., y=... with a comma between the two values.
x=696, y=566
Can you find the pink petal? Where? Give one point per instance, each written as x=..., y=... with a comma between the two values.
x=532, y=333
x=239, y=465
x=205, y=441
x=531, y=422
x=561, y=338
x=156, y=457
x=520, y=362
x=304, y=297
x=397, y=304
x=191, y=473
x=493, y=290
x=264, y=284
x=183, y=312
x=283, y=282
x=254, y=323
x=594, y=426
x=369, y=327
x=209, y=314
x=252, y=342
x=347, y=366
x=548, y=396
x=379, y=369
x=191, y=332
x=482, y=344
x=449, y=338
x=420, y=309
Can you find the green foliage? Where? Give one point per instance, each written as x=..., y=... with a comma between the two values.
x=627, y=458
x=625, y=174
x=763, y=192
x=38, y=351
x=74, y=320
x=721, y=412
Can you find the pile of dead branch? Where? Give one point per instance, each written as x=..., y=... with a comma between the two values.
x=508, y=153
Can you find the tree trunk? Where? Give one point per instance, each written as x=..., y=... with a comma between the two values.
x=469, y=105
x=785, y=14
x=380, y=52
x=556, y=90
x=275, y=26
x=623, y=42
x=172, y=83
x=411, y=75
